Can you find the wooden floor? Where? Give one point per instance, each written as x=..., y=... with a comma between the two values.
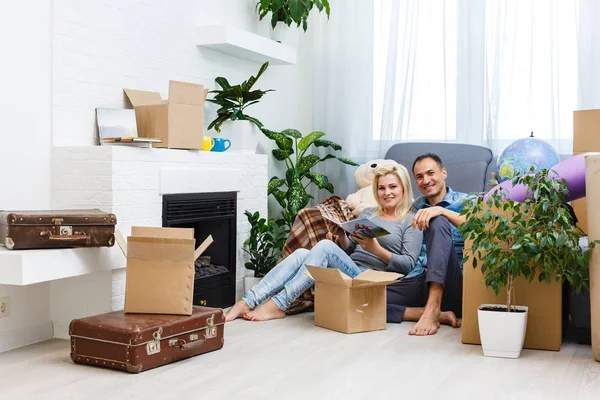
x=292, y=359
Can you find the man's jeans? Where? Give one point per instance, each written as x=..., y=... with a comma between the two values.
x=290, y=274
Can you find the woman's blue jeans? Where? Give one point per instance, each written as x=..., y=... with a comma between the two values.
x=288, y=279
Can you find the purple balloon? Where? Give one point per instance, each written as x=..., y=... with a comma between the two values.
x=572, y=170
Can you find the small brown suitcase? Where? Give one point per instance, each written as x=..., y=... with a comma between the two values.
x=57, y=229
x=138, y=342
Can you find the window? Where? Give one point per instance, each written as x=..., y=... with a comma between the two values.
x=488, y=75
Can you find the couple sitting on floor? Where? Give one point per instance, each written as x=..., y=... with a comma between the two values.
x=424, y=245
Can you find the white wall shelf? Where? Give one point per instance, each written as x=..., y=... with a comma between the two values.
x=246, y=45
x=26, y=267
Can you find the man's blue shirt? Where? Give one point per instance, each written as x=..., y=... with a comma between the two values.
x=453, y=201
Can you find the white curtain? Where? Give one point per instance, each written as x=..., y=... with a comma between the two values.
x=476, y=71
x=342, y=67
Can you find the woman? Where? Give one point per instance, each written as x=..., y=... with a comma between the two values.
x=397, y=252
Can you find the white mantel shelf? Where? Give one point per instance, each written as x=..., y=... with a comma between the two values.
x=245, y=45
x=26, y=267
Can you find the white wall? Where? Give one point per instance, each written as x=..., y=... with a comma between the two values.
x=25, y=137
x=64, y=58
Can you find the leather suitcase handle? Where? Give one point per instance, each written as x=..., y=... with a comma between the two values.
x=65, y=238
x=183, y=345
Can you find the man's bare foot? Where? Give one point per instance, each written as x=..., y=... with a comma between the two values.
x=240, y=308
x=449, y=318
x=265, y=312
x=428, y=324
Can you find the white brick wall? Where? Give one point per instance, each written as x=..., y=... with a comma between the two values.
x=164, y=171
x=101, y=47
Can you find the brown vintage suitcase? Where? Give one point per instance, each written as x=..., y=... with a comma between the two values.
x=138, y=342
x=57, y=229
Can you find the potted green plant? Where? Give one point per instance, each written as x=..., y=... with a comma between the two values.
x=534, y=239
x=292, y=149
x=286, y=12
x=233, y=101
x=263, y=246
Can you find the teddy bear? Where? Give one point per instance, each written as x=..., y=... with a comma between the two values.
x=364, y=175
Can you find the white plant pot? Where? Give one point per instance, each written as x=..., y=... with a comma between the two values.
x=502, y=333
x=280, y=33
x=250, y=282
x=243, y=136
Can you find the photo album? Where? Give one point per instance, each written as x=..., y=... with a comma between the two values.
x=363, y=226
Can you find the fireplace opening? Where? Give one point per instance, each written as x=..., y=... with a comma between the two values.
x=208, y=214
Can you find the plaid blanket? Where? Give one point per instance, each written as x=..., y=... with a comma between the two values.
x=308, y=229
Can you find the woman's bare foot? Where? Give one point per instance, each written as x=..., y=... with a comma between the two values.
x=449, y=318
x=265, y=312
x=240, y=308
x=428, y=324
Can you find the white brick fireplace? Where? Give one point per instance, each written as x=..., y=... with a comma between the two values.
x=130, y=182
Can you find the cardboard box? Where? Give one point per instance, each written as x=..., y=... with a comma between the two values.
x=586, y=131
x=580, y=209
x=160, y=269
x=592, y=164
x=350, y=305
x=178, y=121
x=544, y=321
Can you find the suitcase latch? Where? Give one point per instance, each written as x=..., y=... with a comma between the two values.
x=153, y=347
x=211, y=329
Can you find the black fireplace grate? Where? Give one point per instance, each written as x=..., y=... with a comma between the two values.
x=178, y=211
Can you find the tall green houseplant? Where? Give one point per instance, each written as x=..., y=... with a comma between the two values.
x=292, y=149
x=291, y=11
x=535, y=238
x=233, y=100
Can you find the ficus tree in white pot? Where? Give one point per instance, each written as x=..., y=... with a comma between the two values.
x=534, y=239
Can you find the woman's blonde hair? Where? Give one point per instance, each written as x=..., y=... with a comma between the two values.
x=404, y=207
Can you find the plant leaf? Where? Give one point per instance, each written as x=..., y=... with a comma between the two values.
x=282, y=141
x=307, y=162
x=299, y=8
x=292, y=133
x=327, y=143
x=223, y=82
x=327, y=7
x=320, y=180
x=274, y=183
x=347, y=161
x=282, y=155
x=309, y=139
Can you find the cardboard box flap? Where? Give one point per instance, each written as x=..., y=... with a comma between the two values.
x=186, y=93
x=331, y=276
x=202, y=248
x=171, y=233
x=143, y=98
x=375, y=278
x=160, y=250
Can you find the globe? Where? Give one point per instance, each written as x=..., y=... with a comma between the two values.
x=523, y=154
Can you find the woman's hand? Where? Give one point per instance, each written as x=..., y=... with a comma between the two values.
x=368, y=244
x=339, y=234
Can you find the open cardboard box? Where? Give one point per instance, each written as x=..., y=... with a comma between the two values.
x=178, y=121
x=160, y=269
x=350, y=305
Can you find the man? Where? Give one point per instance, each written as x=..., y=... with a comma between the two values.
x=432, y=293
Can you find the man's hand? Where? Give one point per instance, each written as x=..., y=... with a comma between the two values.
x=368, y=244
x=424, y=215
